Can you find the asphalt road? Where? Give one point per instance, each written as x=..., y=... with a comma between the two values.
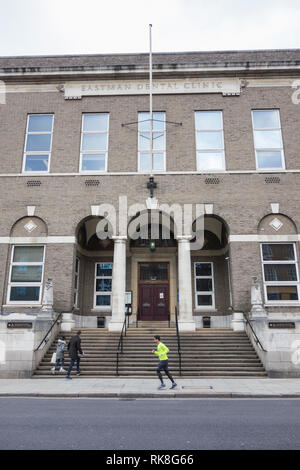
x=29, y=423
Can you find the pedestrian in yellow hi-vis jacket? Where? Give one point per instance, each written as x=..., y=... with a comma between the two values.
x=162, y=351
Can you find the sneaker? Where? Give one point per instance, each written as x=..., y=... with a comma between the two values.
x=62, y=370
x=173, y=385
x=78, y=373
x=161, y=387
x=68, y=377
x=53, y=370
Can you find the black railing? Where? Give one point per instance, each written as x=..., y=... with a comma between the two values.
x=45, y=339
x=254, y=334
x=178, y=341
x=120, y=345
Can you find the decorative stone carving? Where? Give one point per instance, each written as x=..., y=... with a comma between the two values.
x=30, y=226
x=47, y=304
x=276, y=224
x=257, y=309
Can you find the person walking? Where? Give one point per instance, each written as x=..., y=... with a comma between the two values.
x=60, y=354
x=161, y=352
x=74, y=348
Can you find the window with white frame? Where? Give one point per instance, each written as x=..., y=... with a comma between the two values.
x=204, y=285
x=94, y=142
x=209, y=140
x=267, y=139
x=26, y=274
x=103, y=283
x=38, y=143
x=158, y=142
x=76, y=282
x=280, y=272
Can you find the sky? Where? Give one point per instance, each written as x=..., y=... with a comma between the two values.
x=53, y=27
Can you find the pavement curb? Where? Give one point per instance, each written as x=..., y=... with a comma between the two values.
x=148, y=395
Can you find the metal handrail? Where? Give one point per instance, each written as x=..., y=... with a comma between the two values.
x=120, y=345
x=137, y=317
x=49, y=331
x=254, y=334
x=178, y=340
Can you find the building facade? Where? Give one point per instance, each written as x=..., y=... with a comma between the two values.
x=75, y=135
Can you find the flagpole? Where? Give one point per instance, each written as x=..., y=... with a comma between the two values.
x=150, y=96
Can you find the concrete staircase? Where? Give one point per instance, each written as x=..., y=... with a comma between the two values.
x=205, y=353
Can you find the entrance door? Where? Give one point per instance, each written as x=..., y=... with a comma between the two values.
x=154, y=291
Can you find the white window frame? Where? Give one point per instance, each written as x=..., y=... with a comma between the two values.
x=108, y=293
x=280, y=283
x=76, y=277
x=25, y=284
x=93, y=152
x=212, y=292
x=37, y=152
x=221, y=150
x=153, y=151
x=268, y=149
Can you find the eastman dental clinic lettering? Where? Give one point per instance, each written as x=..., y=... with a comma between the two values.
x=74, y=90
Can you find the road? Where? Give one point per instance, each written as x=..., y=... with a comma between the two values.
x=111, y=424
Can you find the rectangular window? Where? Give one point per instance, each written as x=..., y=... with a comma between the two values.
x=280, y=272
x=209, y=140
x=38, y=143
x=268, y=139
x=103, y=283
x=26, y=274
x=94, y=142
x=204, y=285
x=158, y=142
x=76, y=282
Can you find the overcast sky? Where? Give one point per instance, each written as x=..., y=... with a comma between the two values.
x=43, y=27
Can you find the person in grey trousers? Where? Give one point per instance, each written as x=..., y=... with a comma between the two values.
x=60, y=354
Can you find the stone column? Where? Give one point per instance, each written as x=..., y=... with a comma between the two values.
x=186, y=321
x=118, y=284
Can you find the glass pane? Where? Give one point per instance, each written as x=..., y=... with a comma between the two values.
x=278, y=252
x=103, y=285
x=269, y=159
x=24, y=294
x=103, y=300
x=280, y=272
x=158, y=161
x=38, y=143
x=94, y=142
x=26, y=273
x=95, y=122
x=104, y=269
x=144, y=123
x=36, y=162
x=265, y=119
x=203, y=269
x=154, y=272
x=40, y=123
x=76, y=282
x=282, y=293
x=204, y=300
x=210, y=161
x=28, y=254
x=203, y=285
x=159, y=121
x=93, y=162
x=208, y=120
x=158, y=141
x=145, y=161
x=209, y=140
x=144, y=141
x=267, y=139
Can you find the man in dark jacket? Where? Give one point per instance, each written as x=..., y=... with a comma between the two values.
x=74, y=347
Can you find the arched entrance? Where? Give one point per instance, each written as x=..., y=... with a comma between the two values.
x=153, y=266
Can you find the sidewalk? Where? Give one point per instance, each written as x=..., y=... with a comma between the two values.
x=147, y=388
